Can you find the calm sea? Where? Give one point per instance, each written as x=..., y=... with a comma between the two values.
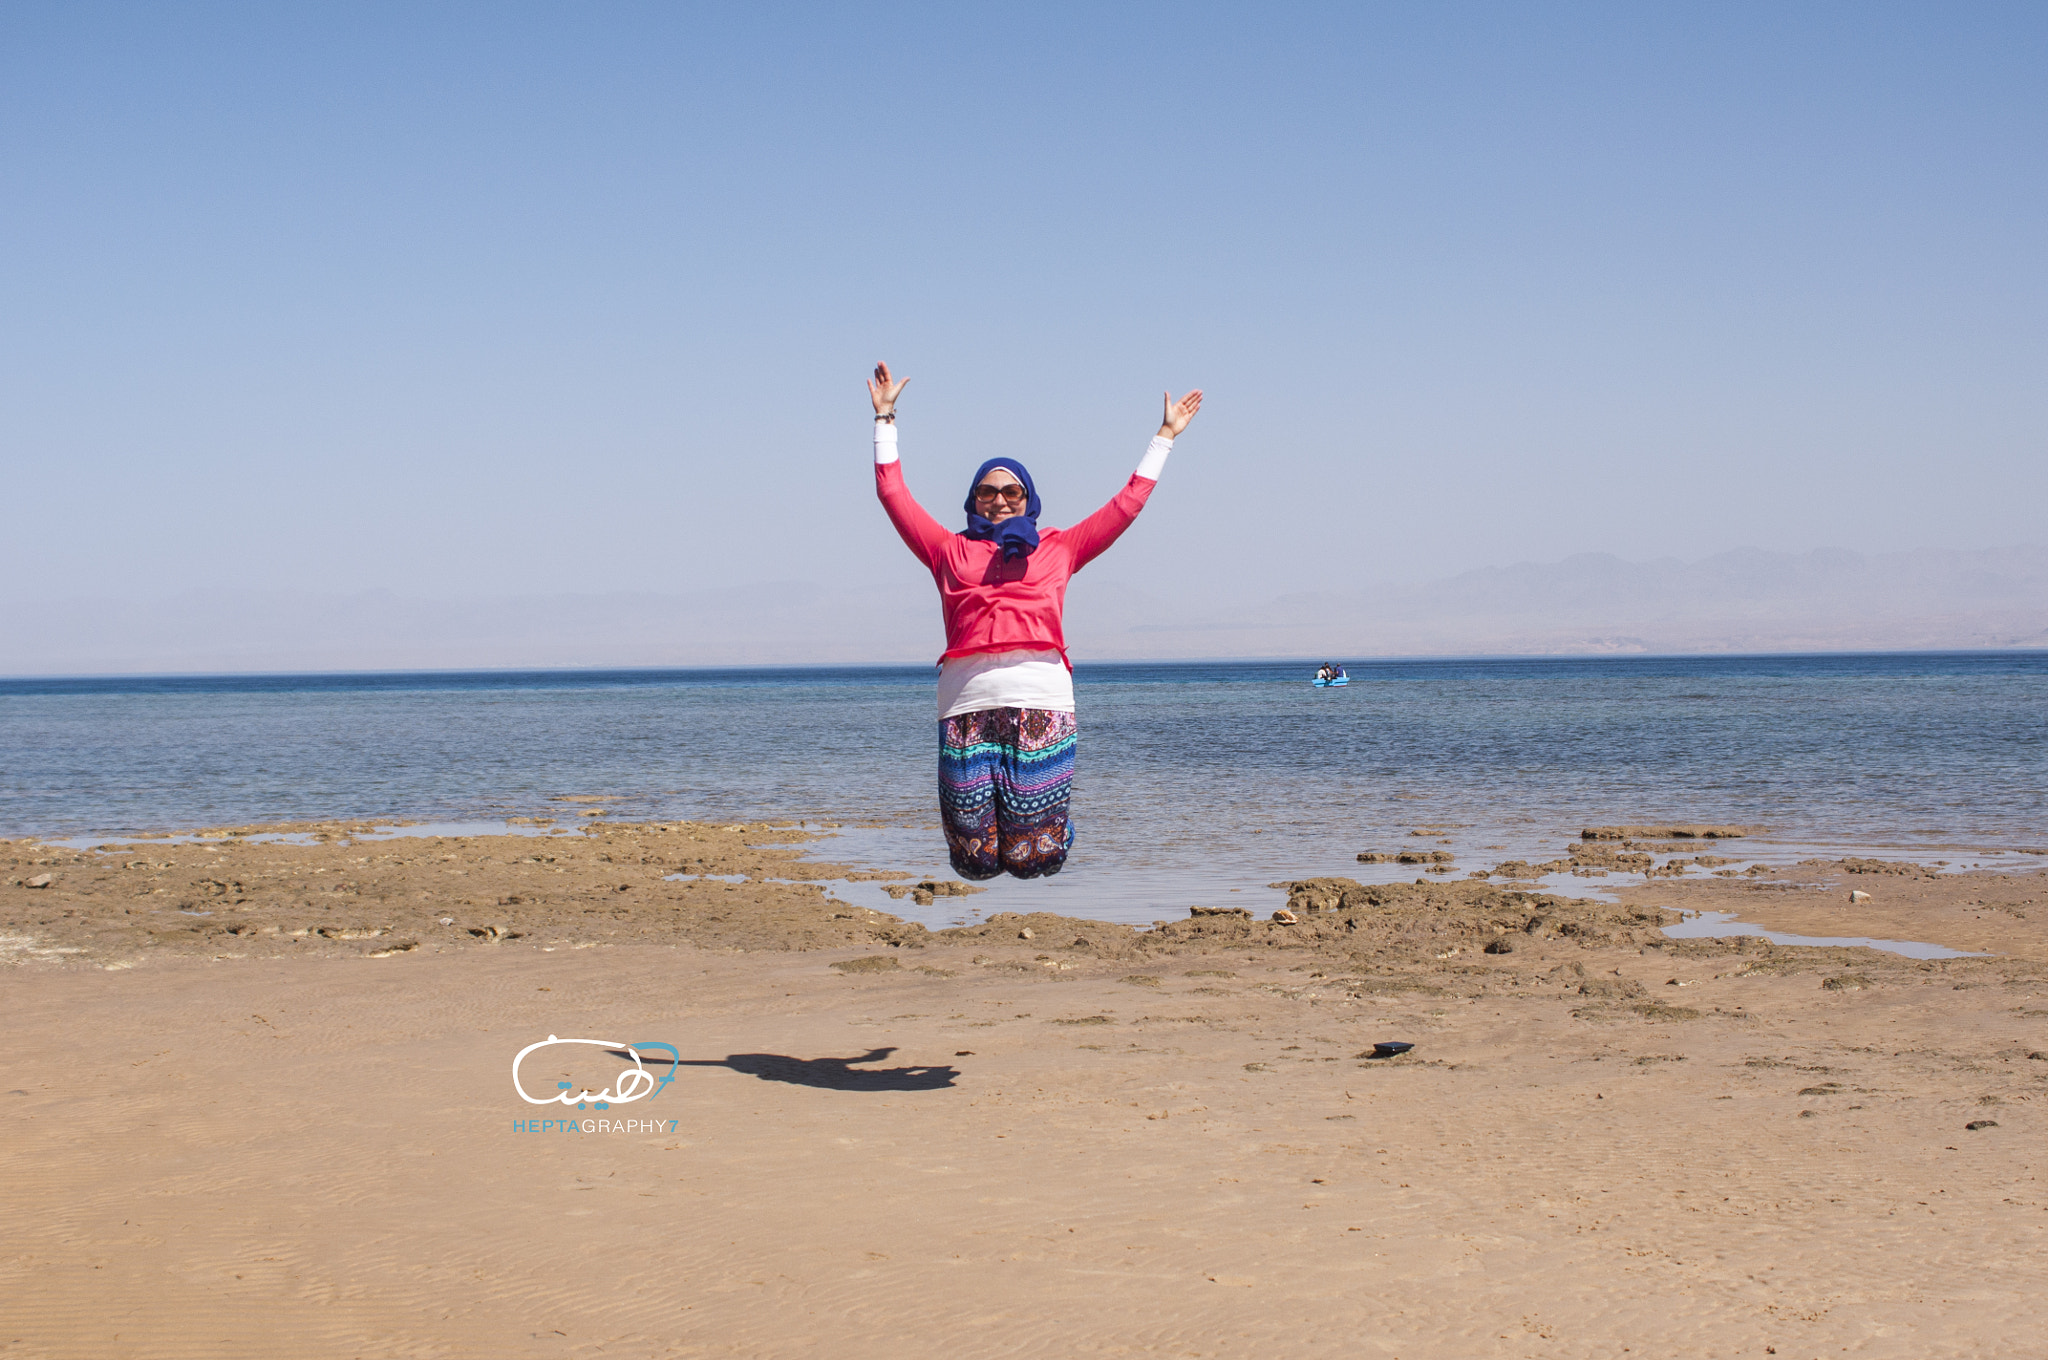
x=1195, y=780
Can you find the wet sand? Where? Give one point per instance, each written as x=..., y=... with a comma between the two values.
x=288, y=1127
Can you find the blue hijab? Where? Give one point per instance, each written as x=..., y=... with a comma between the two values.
x=1017, y=535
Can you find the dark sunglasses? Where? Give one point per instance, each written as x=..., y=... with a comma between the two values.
x=1013, y=492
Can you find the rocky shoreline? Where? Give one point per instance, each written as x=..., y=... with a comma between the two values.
x=342, y=889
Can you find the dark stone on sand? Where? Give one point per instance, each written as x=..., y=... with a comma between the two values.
x=1501, y=946
x=1981, y=1124
x=1847, y=982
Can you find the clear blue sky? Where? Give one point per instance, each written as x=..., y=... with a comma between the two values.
x=457, y=299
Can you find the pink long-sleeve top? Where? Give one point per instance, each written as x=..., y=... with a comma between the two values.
x=991, y=605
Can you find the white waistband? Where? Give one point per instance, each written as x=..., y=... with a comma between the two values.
x=1021, y=679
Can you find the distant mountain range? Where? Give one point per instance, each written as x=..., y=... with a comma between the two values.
x=1593, y=603
x=1589, y=604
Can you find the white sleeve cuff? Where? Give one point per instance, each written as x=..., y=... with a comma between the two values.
x=1154, y=461
x=885, y=441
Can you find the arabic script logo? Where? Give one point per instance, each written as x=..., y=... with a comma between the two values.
x=635, y=1083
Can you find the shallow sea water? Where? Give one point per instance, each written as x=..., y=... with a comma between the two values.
x=1196, y=783
x=1702, y=925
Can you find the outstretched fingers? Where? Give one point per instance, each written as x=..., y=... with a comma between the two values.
x=884, y=389
x=1179, y=413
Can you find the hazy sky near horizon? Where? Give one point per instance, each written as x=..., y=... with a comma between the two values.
x=493, y=299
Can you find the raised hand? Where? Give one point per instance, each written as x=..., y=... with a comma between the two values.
x=1179, y=413
x=883, y=392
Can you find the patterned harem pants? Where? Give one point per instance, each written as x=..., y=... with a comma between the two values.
x=1003, y=779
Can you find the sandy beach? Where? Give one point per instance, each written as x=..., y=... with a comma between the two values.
x=288, y=1127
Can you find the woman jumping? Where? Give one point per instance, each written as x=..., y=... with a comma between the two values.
x=1006, y=688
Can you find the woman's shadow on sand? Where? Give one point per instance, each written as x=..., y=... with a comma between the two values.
x=829, y=1074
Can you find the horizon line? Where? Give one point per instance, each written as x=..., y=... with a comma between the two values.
x=1292, y=660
